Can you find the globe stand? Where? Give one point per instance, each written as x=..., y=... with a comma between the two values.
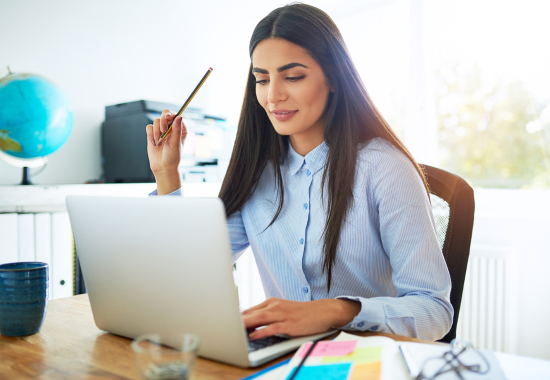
x=26, y=176
x=25, y=164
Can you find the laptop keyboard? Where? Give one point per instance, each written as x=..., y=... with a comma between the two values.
x=257, y=344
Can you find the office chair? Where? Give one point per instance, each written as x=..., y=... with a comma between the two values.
x=453, y=208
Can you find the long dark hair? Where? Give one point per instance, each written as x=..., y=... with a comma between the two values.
x=350, y=119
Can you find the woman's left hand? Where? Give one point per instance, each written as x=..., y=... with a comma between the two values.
x=296, y=318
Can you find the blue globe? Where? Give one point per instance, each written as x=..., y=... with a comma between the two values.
x=35, y=116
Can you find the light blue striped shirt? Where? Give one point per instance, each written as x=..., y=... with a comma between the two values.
x=388, y=257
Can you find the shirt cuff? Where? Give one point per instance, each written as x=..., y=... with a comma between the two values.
x=371, y=317
x=175, y=192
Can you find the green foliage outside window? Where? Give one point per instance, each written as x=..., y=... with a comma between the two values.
x=494, y=135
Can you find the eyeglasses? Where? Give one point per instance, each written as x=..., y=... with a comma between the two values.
x=462, y=357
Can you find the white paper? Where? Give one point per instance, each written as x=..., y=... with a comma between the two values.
x=421, y=352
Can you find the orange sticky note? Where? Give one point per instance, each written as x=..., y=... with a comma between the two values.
x=370, y=371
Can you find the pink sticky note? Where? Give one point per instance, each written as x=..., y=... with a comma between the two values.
x=329, y=348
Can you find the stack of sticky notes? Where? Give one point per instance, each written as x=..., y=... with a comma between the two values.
x=348, y=357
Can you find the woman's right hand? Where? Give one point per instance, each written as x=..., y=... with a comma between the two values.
x=165, y=157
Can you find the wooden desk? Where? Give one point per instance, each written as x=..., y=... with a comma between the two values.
x=70, y=346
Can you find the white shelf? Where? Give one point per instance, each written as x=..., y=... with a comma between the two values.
x=51, y=198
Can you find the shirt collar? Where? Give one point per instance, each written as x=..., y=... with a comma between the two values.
x=314, y=160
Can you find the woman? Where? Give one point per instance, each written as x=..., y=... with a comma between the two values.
x=335, y=208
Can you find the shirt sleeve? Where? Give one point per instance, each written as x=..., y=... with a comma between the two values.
x=235, y=227
x=237, y=235
x=175, y=192
x=422, y=307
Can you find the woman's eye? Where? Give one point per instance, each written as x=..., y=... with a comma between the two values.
x=291, y=79
x=294, y=79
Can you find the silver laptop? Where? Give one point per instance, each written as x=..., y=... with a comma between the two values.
x=163, y=264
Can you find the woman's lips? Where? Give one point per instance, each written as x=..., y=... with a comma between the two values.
x=283, y=115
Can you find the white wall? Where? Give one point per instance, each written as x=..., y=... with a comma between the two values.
x=520, y=219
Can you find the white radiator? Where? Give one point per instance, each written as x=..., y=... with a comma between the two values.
x=44, y=237
x=489, y=308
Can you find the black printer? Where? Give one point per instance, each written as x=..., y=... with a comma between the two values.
x=124, y=140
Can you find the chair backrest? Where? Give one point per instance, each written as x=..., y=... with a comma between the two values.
x=453, y=208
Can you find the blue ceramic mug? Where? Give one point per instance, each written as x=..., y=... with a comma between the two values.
x=23, y=297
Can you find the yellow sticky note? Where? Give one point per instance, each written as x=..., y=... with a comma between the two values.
x=358, y=356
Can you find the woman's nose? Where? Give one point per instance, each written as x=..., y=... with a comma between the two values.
x=276, y=93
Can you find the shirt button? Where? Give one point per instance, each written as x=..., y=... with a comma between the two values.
x=305, y=289
x=308, y=172
x=302, y=241
x=360, y=324
x=305, y=206
x=374, y=328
